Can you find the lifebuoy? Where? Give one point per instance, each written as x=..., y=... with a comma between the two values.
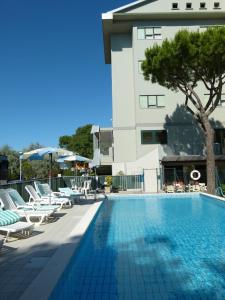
x=195, y=175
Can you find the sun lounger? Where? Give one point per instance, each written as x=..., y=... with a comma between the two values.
x=36, y=201
x=1, y=241
x=9, y=199
x=45, y=189
x=179, y=188
x=50, y=199
x=203, y=187
x=10, y=223
x=196, y=188
x=170, y=189
x=67, y=192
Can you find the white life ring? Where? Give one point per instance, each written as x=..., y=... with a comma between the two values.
x=195, y=175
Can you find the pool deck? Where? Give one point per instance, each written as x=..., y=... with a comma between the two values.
x=24, y=262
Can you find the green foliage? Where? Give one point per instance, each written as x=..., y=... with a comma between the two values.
x=13, y=158
x=181, y=64
x=223, y=187
x=187, y=59
x=38, y=169
x=65, y=141
x=108, y=180
x=80, y=142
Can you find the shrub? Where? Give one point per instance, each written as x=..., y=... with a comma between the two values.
x=108, y=180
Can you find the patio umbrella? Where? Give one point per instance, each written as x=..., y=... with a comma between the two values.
x=76, y=157
x=41, y=153
x=73, y=158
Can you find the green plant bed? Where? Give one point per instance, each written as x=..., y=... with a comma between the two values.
x=223, y=187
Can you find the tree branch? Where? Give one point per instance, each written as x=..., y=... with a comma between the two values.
x=218, y=97
x=205, y=83
x=189, y=95
x=200, y=108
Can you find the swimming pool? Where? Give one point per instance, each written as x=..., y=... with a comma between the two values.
x=150, y=247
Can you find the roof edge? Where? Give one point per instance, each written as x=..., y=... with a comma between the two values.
x=124, y=7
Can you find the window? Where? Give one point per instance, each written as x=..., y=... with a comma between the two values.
x=219, y=141
x=222, y=100
x=175, y=5
x=152, y=101
x=153, y=137
x=149, y=33
x=216, y=5
x=139, y=67
x=188, y=5
x=202, y=5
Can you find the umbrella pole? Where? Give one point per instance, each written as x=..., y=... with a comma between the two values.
x=50, y=175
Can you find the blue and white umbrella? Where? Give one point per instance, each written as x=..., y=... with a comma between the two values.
x=41, y=153
x=75, y=157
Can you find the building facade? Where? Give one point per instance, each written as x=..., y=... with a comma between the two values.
x=103, y=150
x=151, y=128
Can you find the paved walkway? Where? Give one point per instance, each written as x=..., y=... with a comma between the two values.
x=21, y=260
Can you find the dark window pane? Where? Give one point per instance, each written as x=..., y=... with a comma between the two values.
x=154, y=137
x=147, y=137
x=161, y=137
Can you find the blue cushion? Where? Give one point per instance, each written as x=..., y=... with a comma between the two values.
x=8, y=217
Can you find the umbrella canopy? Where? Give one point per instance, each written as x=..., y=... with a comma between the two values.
x=39, y=154
x=74, y=157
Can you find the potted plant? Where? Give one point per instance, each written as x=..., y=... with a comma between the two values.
x=108, y=184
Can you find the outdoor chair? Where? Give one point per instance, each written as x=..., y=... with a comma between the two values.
x=87, y=188
x=74, y=186
x=42, y=190
x=179, y=188
x=37, y=202
x=1, y=241
x=10, y=198
x=10, y=223
x=203, y=187
x=170, y=189
x=190, y=188
x=68, y=192
x=196, y=188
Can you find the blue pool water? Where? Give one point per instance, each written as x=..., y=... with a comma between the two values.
x=150, y=247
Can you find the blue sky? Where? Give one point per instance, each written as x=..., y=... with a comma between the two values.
x=53, y=78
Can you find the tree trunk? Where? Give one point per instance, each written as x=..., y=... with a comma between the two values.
x=210, y=159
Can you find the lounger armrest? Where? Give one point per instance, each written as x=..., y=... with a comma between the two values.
x=25, y=207
x=57, y=194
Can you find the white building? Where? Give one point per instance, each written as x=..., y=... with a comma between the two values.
x=151, y=128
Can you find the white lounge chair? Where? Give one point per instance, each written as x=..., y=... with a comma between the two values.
x=1, y=241
x=49, y=198
x=179, y=188
x=203, y=187
x=10, y=223
x=196, y=188
x=67, y=192
x=9, y=199
x=45, y=189
x=37, y=202
x=170, y=189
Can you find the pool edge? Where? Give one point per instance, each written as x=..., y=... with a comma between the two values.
x=49, y=276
